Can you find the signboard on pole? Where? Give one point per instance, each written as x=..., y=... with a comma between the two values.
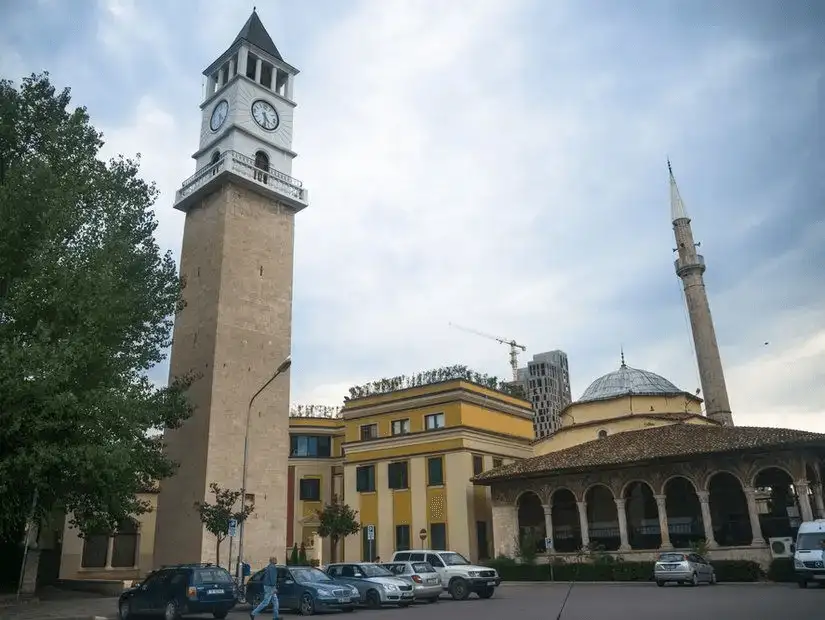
x=548, y=543
x=370, y=532
x=233, y=528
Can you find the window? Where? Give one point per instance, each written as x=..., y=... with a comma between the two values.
x=369, y=431
x=478, y=464
x=402, y=537
x=251, y=61
x=434, y=560
x=435, y=471
x=95, y=551
x=125, y=545
x=261, y=166
x=434, y=421
x=400, y=427
x=416, y=557
x=398, y=475
x=310, y=446
x=309, y=489
x=497, y=463
x=365, y=479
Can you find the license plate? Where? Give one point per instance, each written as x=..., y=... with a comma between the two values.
x=491, y=583
x=214, y=591
x=342, y=600
x=432, y=581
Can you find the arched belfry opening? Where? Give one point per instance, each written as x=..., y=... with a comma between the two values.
x=261, y=166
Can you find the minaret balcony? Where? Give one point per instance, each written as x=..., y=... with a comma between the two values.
x=240, y=168
x=690, y=264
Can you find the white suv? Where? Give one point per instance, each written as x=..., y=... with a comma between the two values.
x=458, y=576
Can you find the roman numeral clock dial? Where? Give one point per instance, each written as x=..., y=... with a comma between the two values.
x=265, y=115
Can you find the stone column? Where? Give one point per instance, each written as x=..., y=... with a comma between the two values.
x=622, y=514
x=707, y=520
x=819, y=501
x=548, y=525
x=661, y=505
x=258, y=68
x=753, y=513
x=505, y=530
x=242, y=59
x=805, y=510
x=583, y=523
x=231, y=68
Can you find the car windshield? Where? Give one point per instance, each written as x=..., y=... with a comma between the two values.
x=373, y=570
x=395, y=569
x=451, y=558
x=310, y=575
x=810, y=541
x=212, y=575
x=423, y=567
x=671, y=557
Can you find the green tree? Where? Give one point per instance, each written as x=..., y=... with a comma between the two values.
x=293, y=557
x=302, y=555
x=216, y=517
x=87, y=302
x=337, y=521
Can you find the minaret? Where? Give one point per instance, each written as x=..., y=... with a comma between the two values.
x=689, y=267
x=235, y=329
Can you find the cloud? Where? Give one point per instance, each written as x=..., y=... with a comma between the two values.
x=500, y=164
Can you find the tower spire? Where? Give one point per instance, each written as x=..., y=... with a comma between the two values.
x=622, y=350
x=690, y=267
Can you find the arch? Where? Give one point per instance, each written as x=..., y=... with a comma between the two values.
x=777, y=503
x=216, y=156
x=602, y=518
x=684, y=512
x=764, y=468
x=531, y=527
x=729, y=510
x=567, y=534
x=560, y=489
x=694, y=486
x=261, y=166
x=642, y=512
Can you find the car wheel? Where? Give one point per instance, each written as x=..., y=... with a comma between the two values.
x=803, y=584
x=430, y=601
x=220, y=615
x=459, y=590
x=660, y=583
x=713, y=578
x=307, y=606
x=373, y=599
x=124, y=610
x=349, y=610
x=486, y=592
x=694, y=580
x=171, y=611
x=404, y=604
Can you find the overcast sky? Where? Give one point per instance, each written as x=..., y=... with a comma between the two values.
x=501, y=165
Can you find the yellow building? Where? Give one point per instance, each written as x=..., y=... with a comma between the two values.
x=409, y=455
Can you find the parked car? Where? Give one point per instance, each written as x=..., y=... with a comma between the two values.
x=458, y=576
x=175, y=591
x=807, y=552
x=306, y=590
x=376, y=584
x=423, y=578
x=678, y=567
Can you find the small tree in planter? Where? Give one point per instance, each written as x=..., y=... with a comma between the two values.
x=293, y=557
x=302, y=555
x=337, y=521
x=216, y=517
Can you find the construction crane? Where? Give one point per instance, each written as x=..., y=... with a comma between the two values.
x=514, y=346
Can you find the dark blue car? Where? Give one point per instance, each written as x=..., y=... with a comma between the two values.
x=306, y=590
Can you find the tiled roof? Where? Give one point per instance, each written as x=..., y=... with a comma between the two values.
x=672, y=441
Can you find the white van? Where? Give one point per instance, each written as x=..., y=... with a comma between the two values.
x=809, y=553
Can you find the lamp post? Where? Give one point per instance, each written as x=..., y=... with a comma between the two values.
x=284, y=366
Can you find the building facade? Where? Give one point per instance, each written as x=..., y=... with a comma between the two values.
x=546, y=381
x=235, y=329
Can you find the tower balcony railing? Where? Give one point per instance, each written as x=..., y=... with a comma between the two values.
x=243, y=166
x=684, y=266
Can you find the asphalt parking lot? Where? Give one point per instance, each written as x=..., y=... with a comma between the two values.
x=617, y=602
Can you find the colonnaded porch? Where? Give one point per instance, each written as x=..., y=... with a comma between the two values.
x=733, y=503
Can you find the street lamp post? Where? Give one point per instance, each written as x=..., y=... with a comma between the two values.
x=281, y=369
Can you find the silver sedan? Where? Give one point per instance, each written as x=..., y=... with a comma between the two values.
x=425, y=580
x=678, y=567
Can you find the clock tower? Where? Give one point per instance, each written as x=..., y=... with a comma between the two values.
x=234, y=332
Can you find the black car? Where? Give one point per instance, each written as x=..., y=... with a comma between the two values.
x=306, y=590
x=173, y=591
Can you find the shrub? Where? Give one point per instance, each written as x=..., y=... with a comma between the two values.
x=509, y=570
x=737, y=570
x=293, y=557
x=781, y=570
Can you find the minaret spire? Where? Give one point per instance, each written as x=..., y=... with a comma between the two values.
x=689, y=267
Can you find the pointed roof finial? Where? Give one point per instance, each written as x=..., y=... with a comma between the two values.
x=677, y=207
x=623, y=364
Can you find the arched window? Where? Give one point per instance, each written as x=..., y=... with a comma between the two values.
x=216, y=157
x=602, y=434
x=261, y=166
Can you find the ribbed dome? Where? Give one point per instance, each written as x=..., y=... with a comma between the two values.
x=627, y=380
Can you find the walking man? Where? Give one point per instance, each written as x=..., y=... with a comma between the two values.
x=270, y=582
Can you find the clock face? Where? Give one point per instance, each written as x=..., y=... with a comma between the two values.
x=265, y=115
x=219, y=115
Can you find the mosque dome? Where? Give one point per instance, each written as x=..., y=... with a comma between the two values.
x=626, y=381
